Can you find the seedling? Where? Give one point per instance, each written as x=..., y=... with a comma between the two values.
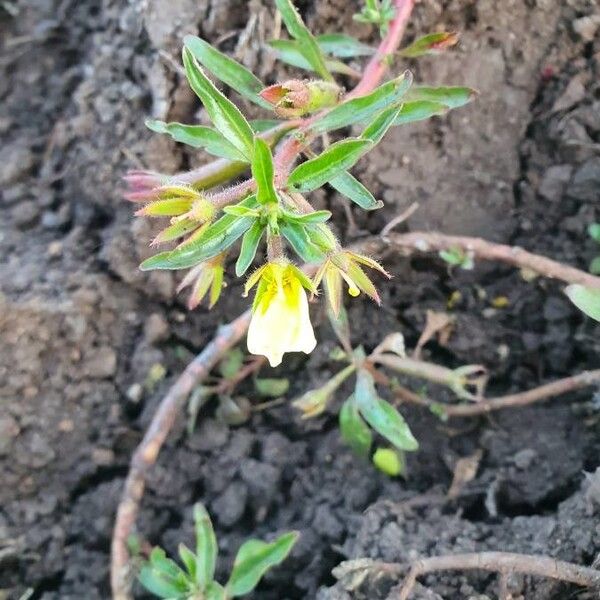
x=194, y=578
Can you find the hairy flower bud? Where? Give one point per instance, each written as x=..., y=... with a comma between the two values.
x=295, y=97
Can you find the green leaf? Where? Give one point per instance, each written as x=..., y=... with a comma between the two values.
x=206, y=547
x=587, y=300
x=263, y=172
x=159, y=584
x=354, y=430
x=250, y=243
x=297, y=235
x=364, y=108
x=289, y=52
x=331, y=162
x=197, y=136
x=231, y=363
x=216, y=238
x=224, y=115
x=188, y=558
x=317, y=216
x=254, y=558
x=389, y=461
x=381, y=415
x=271, y=387
x=215, y=592
x=595, y=266
x=353, y=189
x=229, y=71
x=432, y=43
x=594, y=231
x=343, y=46
x=308, y=45
x=160, y=562
x=380, y=125
x=419, y=111
x=451, y=96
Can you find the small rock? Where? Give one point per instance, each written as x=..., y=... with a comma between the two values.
x=57, y=219
x=15, y=162
x=229, y=506
x=556, y=309
x=210, y=435
x=262, y=479
x=327, y=524
x=103, y=457
x=55, y=249
x=101, y=363
x=574, y=93
x=586, y=27
x=554, y=182
x=586, y=182
x=9, y=429
x=524, y=458
x=156, y=329
x=135, y=392
x=25, y=214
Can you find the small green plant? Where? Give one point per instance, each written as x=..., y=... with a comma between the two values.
x=194, y=580
x=272, y=206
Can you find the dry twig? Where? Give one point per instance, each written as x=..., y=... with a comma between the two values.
x=538, y=394
x=500, y=562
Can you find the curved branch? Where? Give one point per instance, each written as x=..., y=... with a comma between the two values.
x=420, y=241
x=542, y=566
x=146, y=453
x=538, y=394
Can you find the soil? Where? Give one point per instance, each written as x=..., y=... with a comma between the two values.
x=86, y=337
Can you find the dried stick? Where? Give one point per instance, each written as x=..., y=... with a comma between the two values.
x=146, y=453
x=543, y=566
x=479, y=248
x=538, y=394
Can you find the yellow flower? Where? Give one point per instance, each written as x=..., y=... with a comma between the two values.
x=344, y=266
x=280, y=319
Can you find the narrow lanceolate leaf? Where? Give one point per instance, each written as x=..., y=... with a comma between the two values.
x=353, y=189
x=587, y=300
x=419, y=111
x=298, y=236
x=197, y=136
x=379, y=126
x=298, y=30
x=289, y=52
x=215, y=592
x=331, y=162
x=160, y=584
x=224, y=115
x=433, y=43
x=451, y=96
x=343, y=46
x=229, y=71
x=214, y=240
x=366, y=107
x=249, y=247
x=165, y=208
x=317, y=216
x=354, y=430
x=175, y=231
x=381, y=415
x=263, y=172
x=206, y=547
x=253, y=559
x=188, y=558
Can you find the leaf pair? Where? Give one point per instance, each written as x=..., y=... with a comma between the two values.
x=379, y=414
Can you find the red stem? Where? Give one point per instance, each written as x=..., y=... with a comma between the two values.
x=374, y=72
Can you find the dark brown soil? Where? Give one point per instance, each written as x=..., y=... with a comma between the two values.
x=80, y=325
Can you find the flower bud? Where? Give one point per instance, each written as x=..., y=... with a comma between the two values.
x=295, y=97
